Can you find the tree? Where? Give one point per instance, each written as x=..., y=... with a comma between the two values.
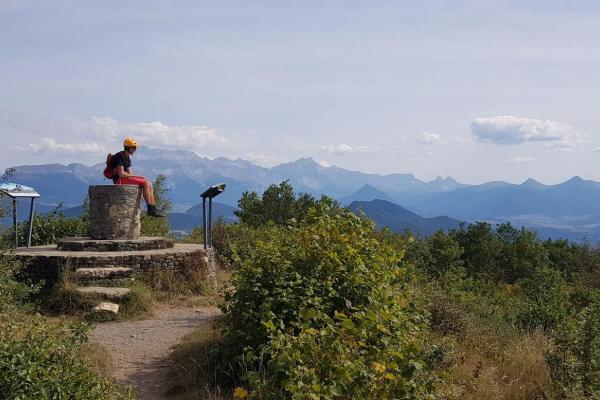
x=445, y=253
x=278, y=204
x=481, y=248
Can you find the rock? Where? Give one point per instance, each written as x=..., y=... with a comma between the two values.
x=107, y=307
x=103, y=273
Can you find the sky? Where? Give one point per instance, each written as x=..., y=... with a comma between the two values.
x=475, y=90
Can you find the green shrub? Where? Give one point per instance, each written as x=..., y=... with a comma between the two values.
x=39, y=360
x=13, y=294
x=322, y=293
x=369, y=354
x=575, y=361
x=48, y=228
x=548, y=296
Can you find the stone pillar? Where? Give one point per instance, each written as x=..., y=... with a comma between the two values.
x=115, y=211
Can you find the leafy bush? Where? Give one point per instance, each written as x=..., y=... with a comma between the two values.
x=373, y=353
x=548, y=296
x=43, y=361
x=238, y=241
x=318, y=294
x=13, y=294
x=38, y=359
x=48, y=228
x=575, y=361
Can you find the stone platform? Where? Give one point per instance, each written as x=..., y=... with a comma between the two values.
x=49, y=263
x=89, y=244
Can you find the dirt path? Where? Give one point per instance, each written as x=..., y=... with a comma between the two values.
x=139, y=349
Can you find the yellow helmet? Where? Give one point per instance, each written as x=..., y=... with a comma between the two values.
x=130, y=142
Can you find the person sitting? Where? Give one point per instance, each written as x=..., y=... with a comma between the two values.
x=120, y=165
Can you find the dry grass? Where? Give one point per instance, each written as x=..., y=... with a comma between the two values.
x=167, y=284
x=193, y=375
x=101, y=360
x=491, y=367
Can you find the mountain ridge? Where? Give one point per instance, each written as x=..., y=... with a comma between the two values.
x=188, y=174
x=399, y=219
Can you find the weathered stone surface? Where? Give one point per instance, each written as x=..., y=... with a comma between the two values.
x=89, y=244
x=106, y=292
x=107, y=307
x=48, y=264
x=103, y=273
x=115, y=211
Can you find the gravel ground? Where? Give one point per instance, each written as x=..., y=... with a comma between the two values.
x=139, y=349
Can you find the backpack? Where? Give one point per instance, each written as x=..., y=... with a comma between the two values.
x=108, y=171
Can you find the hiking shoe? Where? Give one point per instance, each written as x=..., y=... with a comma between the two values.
x=153, y=213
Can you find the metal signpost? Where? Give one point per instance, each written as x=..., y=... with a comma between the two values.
x=209, y=194
x=16, y=191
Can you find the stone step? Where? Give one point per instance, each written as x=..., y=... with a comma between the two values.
x=103, y=273
x=107, y=307
x=109, y=282
x=105, y=292
x=86, y=244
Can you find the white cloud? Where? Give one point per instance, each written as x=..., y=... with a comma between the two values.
x=429, y=138
x=107, y=132
x=261, y=158
x=193, y=137
x=49, y=145
x=507, y=129
x=324, y=164
x=345, y=149
x=521, y=160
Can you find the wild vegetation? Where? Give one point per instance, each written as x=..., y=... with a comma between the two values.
x=45, y=357
x=321, y=305
x=42, y=358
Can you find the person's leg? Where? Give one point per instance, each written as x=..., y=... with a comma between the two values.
x=148, y=192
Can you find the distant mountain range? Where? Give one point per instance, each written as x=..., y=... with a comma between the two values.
x=366, y=193
x=389, y=215
x=192, y=218
x=570, y=209
x=189, y=174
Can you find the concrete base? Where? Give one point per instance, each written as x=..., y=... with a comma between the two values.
x=48, y=263
x=89, y=244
